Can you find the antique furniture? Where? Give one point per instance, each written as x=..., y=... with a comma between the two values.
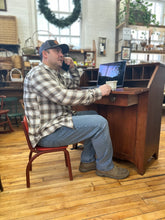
x=4, y=119
x=14, y=106
x=38, y=150
x=134, y=113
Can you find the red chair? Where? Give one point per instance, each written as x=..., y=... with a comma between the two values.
x=4, y=119
x=38, y=150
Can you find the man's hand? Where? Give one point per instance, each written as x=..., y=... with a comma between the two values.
x=69, y=61
x=105, y=90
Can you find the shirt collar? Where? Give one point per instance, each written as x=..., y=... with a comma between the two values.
x=48, y=68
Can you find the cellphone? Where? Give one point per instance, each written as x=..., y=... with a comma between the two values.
x=65, y=66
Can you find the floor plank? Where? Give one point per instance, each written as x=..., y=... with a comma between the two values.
x=53, y=196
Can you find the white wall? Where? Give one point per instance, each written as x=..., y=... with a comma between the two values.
x=98, y=20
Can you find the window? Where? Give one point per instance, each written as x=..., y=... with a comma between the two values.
x=69, y=35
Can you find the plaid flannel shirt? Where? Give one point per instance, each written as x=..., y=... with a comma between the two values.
x=48, y=97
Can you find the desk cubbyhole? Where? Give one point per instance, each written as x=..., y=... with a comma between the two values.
x=148, y=70
x=128, y=73
x=137, y=72
x=94, y=75
x=89, y=78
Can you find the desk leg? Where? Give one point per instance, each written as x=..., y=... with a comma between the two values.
x=140, y=149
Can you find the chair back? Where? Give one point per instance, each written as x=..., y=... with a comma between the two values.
x=25, y=128
x=12, y=104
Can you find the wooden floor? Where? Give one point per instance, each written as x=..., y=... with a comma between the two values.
x=53, y=196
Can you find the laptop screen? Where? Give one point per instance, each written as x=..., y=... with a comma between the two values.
x=111, y=72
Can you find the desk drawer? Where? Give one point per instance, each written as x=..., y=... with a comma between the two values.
x=119, y=100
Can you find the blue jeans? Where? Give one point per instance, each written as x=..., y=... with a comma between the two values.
x=91, y=128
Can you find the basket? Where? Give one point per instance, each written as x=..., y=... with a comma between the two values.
x=17, y=61
x=29, y=48
x=8, y=33
x=6, y=56
x=16, y=75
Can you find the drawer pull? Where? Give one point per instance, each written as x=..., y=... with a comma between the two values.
x=112, y=98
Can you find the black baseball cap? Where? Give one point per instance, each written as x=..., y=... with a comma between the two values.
x=50, y=44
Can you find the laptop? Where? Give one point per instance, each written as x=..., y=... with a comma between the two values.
x=110, y=72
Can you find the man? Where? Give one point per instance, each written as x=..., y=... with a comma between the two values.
x=49, y=93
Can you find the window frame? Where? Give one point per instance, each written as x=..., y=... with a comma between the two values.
x=70, y=38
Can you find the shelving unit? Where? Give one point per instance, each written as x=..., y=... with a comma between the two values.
x=156, y=46
x=84, y=57
x=153, y=45
x=29, y=61
x=153, y=35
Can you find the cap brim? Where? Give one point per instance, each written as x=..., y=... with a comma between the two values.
x=64, y=47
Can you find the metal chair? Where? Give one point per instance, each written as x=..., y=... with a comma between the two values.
x=4, y=119
x=38, y=150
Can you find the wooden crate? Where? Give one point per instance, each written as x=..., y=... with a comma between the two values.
x=8, y=30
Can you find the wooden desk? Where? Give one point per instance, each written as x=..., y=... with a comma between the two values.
x=134, y=116
x=127, y=118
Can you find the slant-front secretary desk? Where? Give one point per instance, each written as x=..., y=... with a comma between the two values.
x=134, y=113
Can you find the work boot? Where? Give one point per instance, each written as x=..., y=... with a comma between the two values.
x=115, y=173
x=85, y=167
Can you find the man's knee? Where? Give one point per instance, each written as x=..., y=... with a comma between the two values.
x=102, y=121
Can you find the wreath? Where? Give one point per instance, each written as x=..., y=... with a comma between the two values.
x=63, y=22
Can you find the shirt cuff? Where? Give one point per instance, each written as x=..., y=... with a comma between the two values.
x=98, y=93
x=73, y=69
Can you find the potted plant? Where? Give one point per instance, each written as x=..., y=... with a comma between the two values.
x=137, y=12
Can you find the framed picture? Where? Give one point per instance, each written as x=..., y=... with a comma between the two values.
x=3, y=5
x=125, y=53
x=102, y=46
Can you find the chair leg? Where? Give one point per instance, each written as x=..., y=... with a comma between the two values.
x=1, y=187
x=28, y=176
x=68, y=164
x=75, y=146
x=16, y=121
x=29, y=165
x=30, y=156
x=9, y=122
